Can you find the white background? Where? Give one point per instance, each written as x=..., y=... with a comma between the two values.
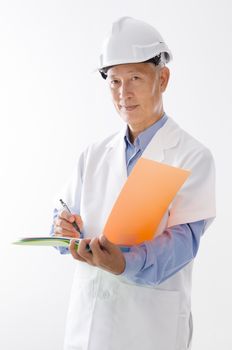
x=52, y=106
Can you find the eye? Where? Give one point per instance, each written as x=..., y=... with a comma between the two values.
x=135, y=77
x=114, y=82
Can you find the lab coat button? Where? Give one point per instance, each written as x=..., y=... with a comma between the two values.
x=105, y=294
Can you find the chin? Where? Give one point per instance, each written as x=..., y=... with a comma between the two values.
x=131, y=118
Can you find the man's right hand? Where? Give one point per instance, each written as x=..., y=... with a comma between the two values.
x=63, y=225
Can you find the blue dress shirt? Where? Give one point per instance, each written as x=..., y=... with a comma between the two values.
x=154, y=261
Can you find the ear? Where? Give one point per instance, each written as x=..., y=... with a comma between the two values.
x=164, y=78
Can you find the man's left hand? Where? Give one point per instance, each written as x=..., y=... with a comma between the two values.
x=104, y=254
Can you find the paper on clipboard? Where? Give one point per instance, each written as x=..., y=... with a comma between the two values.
x=143, y=201
x=46, y=241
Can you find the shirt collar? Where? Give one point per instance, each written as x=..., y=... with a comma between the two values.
x=143, y=139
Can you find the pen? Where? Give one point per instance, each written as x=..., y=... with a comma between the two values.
x=74, y=223
x=123, y=249
x=67, y=208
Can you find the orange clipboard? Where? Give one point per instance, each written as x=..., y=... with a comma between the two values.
x=142, y=202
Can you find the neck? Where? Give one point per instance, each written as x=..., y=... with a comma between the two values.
x=135, y=130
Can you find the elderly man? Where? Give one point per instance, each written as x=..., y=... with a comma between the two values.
x=141, y=298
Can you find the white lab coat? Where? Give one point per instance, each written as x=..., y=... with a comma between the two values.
x=108, y=312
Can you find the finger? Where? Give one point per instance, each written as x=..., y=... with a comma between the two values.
x=66, y=233
x=73, y=250
x=64, y=214
x=65, y=225
x=78, y=220
x=83, y=251
x=98, y=254
x=106, y=244
x=71, y=218
x=114, y=260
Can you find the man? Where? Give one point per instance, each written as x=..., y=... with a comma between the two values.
x=139, y=299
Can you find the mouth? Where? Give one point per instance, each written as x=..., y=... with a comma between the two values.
x=129, y=108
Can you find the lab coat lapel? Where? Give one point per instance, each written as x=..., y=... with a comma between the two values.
x=117, y=157
x=115, y=162
x=166, y=137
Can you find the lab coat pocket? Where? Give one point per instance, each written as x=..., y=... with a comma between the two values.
x=145, y=318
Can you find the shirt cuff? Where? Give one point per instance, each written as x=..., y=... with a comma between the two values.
x=135, y=260
x=63, y=250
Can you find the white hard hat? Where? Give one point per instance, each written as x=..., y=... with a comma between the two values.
x=132, y=41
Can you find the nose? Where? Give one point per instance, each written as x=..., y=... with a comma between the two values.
x=125, y=91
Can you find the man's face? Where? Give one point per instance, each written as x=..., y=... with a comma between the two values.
x=136, y=90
